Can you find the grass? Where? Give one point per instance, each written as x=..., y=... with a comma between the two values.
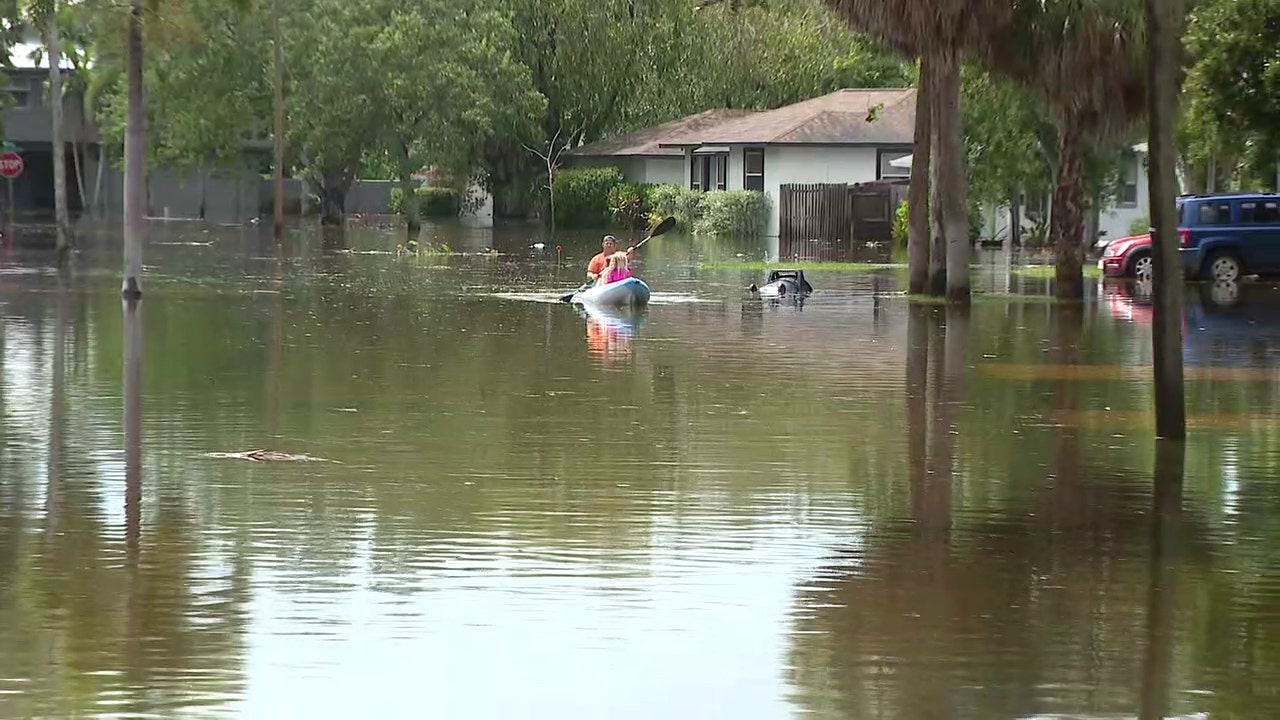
x=761, y=266
x=1047, y=272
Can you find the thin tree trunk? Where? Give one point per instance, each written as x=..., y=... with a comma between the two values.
x=1015, y=222
x=97, y=183
x=408, y=193
x=1066, y=221
x=62, y=218
x=278, y=139
x=918, y=189
x=203, y=210
x=135, y=157
x=332, y=192
x=1165, y=20
x=950, y=160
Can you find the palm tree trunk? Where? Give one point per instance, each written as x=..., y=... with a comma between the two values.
x=1164, y=29
x=62, y=219
x=918, y=190
x=135, y=157
x=937, y=285
x=950, y=159
x=1066, y=220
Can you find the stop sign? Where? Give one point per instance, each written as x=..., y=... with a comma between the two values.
x=11, y=165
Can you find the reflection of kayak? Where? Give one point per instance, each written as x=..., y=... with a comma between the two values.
x=630, y=291
x=627, y=319
x=610, y=329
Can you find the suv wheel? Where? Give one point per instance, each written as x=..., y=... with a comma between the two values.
x=1141, y=264
x=1223, y=267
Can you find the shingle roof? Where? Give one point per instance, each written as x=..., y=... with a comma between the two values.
x=648, y=141
x=844, y=117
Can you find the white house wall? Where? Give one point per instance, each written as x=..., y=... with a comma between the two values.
x=663, y=171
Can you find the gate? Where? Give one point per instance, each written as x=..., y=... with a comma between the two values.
x=832, y=221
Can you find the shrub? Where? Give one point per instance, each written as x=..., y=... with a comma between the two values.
x=743, y=213
x=582, y=196
x=432, y=201
x=628, y=206
x=679, y=202
x=1140, y=226
x=900, y=223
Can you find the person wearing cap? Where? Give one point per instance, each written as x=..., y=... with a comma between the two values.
x=608, y=246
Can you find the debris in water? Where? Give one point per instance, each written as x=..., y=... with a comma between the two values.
x=268, y=456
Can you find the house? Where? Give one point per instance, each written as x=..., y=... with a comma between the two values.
x=845, y=138
x=640, y=154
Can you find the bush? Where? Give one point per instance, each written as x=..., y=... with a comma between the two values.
x=582, y=196
x=742, y=213
x=901, y=223
x=432, y=202
x=628, y=206
x=681, y=203
x=1140, y=226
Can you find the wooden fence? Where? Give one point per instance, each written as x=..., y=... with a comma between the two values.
x=826, y=221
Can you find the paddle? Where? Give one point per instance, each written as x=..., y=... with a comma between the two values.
x=663, y=227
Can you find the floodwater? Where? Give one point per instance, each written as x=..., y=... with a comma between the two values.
x=491, y=506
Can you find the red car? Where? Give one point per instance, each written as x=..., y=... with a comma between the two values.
x=1131, y=256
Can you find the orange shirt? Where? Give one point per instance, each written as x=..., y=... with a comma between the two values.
x=598, y=264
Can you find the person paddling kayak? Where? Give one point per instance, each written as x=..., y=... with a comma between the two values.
x=598, y=264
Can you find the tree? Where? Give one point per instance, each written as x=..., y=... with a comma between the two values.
x=1164, y=30
x=1233, y=89
x=44, y=14
x=1082, y=59
x=931, y=30
x=135, y=158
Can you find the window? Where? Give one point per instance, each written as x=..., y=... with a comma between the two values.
x=708, y=171
x=1262, y=212
x=1128, y=190
x=753, y=169
x=886, y=169
x=1214, y=213
x=20, y=91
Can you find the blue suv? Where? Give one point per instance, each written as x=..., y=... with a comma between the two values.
x=1224, y=237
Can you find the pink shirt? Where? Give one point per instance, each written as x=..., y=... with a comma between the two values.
x=616, y=275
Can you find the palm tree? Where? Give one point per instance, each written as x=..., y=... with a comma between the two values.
x=930, y=30
x=135, y=158
x=44, y=15
x=1083, y=60
x=1165, y=19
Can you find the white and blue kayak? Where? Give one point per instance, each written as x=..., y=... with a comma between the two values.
x=630, y=292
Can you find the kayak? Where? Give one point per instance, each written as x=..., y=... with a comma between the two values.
x=630, y=291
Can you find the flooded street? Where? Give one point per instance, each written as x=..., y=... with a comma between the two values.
x=497, y=506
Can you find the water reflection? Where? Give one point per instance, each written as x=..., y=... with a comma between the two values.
x=866, y=509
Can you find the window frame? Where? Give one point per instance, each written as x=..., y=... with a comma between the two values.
x=747, y=175
x=701, y=174
x=882, y=163
x=1253, y=206
x=1127, y=188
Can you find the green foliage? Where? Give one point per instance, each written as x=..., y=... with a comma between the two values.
x=1140, y=226
x=901, y=220
x=436, y=202
x=1011, y=144
x=676, y=201
x=1233, y=88
x=741, y=213
x=628, y=205
x=582, y=196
